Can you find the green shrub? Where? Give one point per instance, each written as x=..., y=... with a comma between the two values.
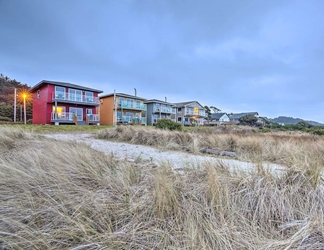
x=318, y=132
x=5, y=119
x=168, y=124
x=264, y=130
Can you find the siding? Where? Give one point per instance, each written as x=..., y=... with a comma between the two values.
x=107, y=110
x=40, y=107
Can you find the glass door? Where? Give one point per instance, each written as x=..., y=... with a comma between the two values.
x=78, y=112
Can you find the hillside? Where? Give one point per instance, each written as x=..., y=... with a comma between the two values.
x=291, y=120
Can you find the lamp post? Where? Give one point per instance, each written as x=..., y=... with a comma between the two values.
x=24, y=95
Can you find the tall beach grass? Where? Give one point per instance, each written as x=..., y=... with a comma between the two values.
x=65, y=195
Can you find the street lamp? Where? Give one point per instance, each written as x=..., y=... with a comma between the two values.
x=24, y=96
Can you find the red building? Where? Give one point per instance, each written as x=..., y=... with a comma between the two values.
x=64, y=103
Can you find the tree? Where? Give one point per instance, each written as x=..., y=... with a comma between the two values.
x=250, y=120
x=303, y=125
x=208, y=111
x=216, y=110
x=7, y=87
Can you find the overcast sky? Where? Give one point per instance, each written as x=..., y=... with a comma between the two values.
x=242, y=55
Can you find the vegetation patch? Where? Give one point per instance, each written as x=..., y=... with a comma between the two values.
x=65, y=195
x=168, y=124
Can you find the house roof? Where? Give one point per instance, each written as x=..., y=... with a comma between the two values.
x=239, y=115
x=122, y=95
x=217, y=115
x=182, y=104
x=158, y=101
x=63, y=84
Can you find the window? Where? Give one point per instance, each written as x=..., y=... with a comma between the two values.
x=59, y=92
x=38, y=93
x=179, y=110
x=130, y=103
x=138, y=104
x=89, y=111
x=60, y=112
x=75, y=95
x=89, y=96
x=129, y=114
x=179, y=119
x=78, y=112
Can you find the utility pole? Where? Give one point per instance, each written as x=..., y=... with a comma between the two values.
x=115, y=110
x=15, y=105
x=20, y=112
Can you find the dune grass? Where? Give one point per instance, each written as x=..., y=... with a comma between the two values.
x=296, y=150
x=65, y=195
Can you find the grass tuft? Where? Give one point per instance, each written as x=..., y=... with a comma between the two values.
x=65, y=195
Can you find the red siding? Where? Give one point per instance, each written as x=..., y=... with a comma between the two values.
x=40, y=106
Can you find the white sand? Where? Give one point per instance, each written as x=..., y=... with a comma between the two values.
x=132, y=152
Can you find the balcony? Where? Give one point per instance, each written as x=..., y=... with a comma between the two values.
x=164, y=110
x=73, y=98
x=195, y=113
x=67, y=117
x=131, y=105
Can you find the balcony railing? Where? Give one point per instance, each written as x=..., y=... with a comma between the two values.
x=164, y=110
x=200, y=112
x=131, y=120
x=68, y=116
x=60, y=96
x=130, y=105
x=93, y=117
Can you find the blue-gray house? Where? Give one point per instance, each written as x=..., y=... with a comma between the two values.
x=157, y=109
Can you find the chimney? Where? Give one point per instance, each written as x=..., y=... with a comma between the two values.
x=165, y=99
x=135, y=92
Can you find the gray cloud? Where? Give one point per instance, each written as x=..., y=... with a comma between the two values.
x=239, y=56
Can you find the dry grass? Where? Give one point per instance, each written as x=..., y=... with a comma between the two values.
x=291, y=150
x=59, y=195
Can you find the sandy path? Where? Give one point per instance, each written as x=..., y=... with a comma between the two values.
x=132, y=152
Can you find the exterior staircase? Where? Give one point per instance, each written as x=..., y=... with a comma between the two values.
x=82, y=123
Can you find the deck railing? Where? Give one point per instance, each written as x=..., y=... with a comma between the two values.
x=68, y=116
x=132, y=105
x=131, y=120
x=164, y=110
x=200, y=112
x=60, y=96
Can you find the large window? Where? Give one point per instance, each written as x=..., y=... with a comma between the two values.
x=78, y=112
x=75, y=95
x=157, y=107
x=130, y=114
x=89, y=96
x=138, y=104
x=59, y=92
x=130, y=103
x=60, y=112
